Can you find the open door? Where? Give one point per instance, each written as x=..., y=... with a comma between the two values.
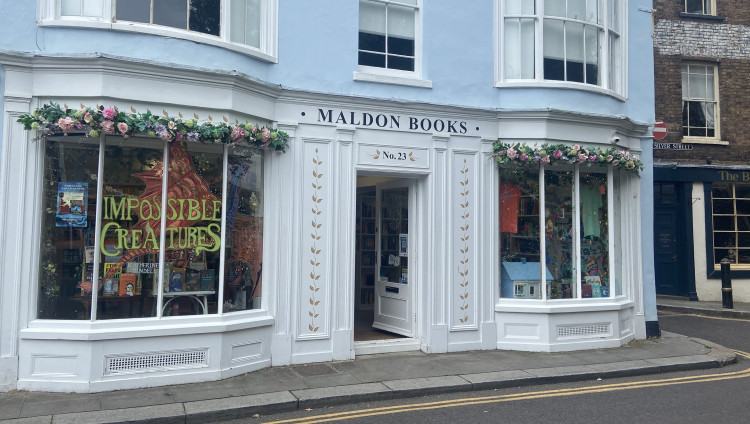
x=393, y=291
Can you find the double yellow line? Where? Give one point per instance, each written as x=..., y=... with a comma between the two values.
x=520, y=396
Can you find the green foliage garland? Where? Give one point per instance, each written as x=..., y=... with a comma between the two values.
x=523, y=154
x=53, y=119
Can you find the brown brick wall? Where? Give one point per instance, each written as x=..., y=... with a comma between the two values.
x=734, y=93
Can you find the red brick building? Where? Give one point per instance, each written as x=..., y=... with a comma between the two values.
x=702, y=166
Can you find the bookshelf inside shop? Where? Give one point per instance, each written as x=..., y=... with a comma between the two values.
x=366, y=247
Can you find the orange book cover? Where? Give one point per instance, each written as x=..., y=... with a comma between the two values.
x=127, y=284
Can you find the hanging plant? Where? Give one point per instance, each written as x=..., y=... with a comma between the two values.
x=523, y=154
x=52, y=119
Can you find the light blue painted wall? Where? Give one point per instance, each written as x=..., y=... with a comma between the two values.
x=318, y=52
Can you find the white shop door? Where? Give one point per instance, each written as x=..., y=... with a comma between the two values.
x=393, y=287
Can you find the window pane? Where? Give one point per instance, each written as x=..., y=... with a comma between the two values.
x=252, y=23
x=244, y=248
x=743, y=239
x=694, y=6
x=70, y=8
x=519, y=48
x=697, y=84
x=592, y=55
x=559, y=233
x=724, y=207
x=743, y=223
x=403, y=63
x=723, y=223
x=67, y=228
x=743, y=207
x=131, y=226
x=720, y=254
x=742, y=191
x=743, y=257
x=722, y=239
x=519, y=232
x=594, y=235
x=93, y=8
x=171, y=13
x=371, y=17
x=205, y=16
x=519, y=7
x=554, y=50
x=592, y=11
x=133, y=10
x=721, y=190
x=401, y=22
x=554, y=8
x=371, y=59
x=576, y=9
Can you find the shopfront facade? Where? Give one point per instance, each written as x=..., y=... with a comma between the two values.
x=248, y=219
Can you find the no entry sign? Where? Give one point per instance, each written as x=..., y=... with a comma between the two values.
x=660, y=130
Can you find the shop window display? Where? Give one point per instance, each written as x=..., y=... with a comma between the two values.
x=136, y=246
x=554, y=236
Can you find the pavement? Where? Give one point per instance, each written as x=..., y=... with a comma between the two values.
x=716, y=309
x=371, y=377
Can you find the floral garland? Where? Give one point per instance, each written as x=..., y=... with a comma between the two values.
x=53, y=119
x=523, y=154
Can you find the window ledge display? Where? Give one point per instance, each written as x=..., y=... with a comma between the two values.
x=127, y=329
x=562, y=306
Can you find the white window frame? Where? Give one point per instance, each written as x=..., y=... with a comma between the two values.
x=617, y=88
x=397, y=76
x=615, y=289
x=716, y=139
x=708, y=9
x=49, y=14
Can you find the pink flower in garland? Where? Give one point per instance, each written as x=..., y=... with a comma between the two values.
x=523, y=157
x=265, y=135
x=255, y=129
x=122, y=127
x=237, y=133
x=511, y=153
x=88, y=118
x=557, y=154
x=593, y=158
x=165, y=135
x=545, y=159
x=576, y=147
x=109, y=113
x=178, y=136
x=582, y=157
x=108, y=127
x=609, y=158
x=65, y=124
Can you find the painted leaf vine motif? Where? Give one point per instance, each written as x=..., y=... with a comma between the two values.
x=314, y=250
x=463, y=268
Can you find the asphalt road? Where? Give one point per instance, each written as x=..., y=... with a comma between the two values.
x=708, y=396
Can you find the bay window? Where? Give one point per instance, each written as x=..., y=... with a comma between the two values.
x=559, y=238
x=248, y=26
x=124, y=236
x=568, y=40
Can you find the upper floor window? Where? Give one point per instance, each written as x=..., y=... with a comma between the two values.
x=388, y=34
x=567, y=40
x=700, y=7
x=248, y=26
x=699, y=101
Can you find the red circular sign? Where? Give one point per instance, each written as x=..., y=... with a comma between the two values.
x=660, y=130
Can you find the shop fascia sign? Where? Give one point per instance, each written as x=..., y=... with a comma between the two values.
x=390, y=121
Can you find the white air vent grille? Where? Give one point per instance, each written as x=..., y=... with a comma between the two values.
x=584, y=330
x=155, y=361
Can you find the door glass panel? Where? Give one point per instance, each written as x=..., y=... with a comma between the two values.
x=394, y=228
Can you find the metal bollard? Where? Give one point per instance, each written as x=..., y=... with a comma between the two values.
x=726, y=285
